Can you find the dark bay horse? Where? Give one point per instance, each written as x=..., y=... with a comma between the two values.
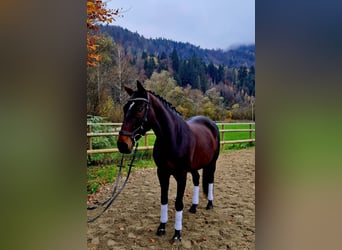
x=180, y=147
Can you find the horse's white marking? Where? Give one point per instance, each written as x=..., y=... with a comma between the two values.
x=163, y=213
x=211, y=191
x=178, y=220
x=130, y=106
x=195, y=195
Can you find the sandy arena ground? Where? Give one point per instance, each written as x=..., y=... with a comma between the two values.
x=132, y=220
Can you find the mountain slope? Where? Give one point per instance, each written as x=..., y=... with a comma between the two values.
x=243, y=55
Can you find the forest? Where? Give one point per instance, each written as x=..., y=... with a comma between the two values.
x=215, y=83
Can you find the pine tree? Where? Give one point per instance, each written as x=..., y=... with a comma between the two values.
x=175, y=61
x=149, y=66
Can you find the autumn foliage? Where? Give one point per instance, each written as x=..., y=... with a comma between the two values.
x=96, y=13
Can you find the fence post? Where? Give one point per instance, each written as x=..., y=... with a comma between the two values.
x=89, y=137
x=250, y=134
x=222, y=136
x=114, y=130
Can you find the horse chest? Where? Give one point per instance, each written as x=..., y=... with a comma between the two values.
x=171, y=165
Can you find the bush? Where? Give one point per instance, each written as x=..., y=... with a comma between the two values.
x=100, y=142
x=106, y=107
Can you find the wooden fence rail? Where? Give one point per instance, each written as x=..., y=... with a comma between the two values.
x=115, y=127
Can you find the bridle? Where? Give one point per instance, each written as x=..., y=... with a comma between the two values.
x=139, y=131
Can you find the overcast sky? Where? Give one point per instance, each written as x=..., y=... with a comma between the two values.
x=209, y=24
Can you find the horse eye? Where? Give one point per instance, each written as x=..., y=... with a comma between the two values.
x=140, y=108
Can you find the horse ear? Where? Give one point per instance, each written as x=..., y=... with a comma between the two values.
x=129, y=90
x=140, y=87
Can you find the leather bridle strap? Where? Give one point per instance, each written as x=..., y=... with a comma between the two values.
x=139, y=131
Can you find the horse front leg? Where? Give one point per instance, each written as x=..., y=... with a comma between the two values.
x=181, y=183
x=164, y=180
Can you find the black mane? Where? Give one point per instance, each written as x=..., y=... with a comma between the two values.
x=166, y=104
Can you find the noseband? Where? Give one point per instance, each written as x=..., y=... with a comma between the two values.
x=138, y=132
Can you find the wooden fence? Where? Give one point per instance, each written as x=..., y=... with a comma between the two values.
x=115, y=128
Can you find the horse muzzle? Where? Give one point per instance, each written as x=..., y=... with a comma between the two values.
x=125, y=144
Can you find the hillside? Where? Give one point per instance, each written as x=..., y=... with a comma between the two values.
x=215, y=83
x=243, y=55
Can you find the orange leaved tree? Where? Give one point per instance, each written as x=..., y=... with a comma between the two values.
x=96, y=13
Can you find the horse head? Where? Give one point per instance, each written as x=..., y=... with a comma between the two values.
x=135, y=123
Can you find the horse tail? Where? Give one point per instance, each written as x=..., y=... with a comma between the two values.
x=208, y=172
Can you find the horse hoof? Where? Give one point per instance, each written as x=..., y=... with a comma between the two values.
x=193, y=208
x=177, y=236
x=210, y=205
x=161, y=232
x=161, y=229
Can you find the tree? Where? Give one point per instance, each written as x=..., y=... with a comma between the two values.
x=96, y=13
x=163, y=63
x=106, y=108
x=212, y=71
x=161, y=83
x=213, y=105
x=99, y=77
x=149, y=66
x=144, y=55
x=251, y=81
x=192, y=101
x=192, y=72
x=124, y=73
x=175, y=61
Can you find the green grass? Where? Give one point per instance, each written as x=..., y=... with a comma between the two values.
x=98, y=176
x=236, y=135
x=230, y=136
x=104, y=174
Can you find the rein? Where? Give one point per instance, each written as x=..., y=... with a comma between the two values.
x=106, y=204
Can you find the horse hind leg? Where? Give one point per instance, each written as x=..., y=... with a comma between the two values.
x=210, y=196
x=208, y=184
x=195, y=195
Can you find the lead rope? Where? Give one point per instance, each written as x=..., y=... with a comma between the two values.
x=106, y=204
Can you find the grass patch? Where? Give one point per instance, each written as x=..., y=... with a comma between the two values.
x=236, y=146
x=98, y=176
x=229, y=136
x=232, y=136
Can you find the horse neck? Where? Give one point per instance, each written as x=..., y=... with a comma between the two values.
x=166, y=122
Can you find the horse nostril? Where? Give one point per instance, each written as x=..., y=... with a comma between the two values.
x=123, y=147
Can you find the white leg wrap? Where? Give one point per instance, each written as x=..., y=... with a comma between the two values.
x=211, y=191
x=163, y=213
x=195, y=195
x=178, y=220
